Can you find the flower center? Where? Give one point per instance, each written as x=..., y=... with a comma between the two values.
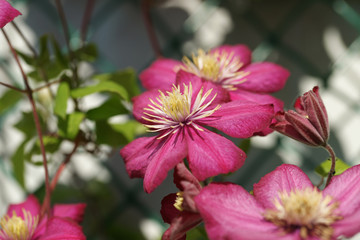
x=17, y=228
x=222, y=68
x=179, y=201
x=304, y=210
x=176, y=109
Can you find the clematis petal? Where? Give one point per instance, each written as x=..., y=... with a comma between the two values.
x=210, y=154
x=7, y=13
x=264, y=77
x=259, y=98
x=61, y=228
x=240, y=118
x=142, y=101
x=348, y=226
x=240, y=51
x=31, y=204
x=181, y=221
x=160, y=75
x=137, y=155
x=197, y=84
x=230, y=212
x=286, y=177
x=169, y=151
x=71, y=211
x=182, y=174
x=345, y=189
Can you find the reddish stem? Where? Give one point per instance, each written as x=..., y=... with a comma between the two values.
x=145, y=7
x=63, y=165
x=12, y=87
x=29, y=93
x=333, y=162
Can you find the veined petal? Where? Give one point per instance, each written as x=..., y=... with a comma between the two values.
x=71, y=211
x=211, y=154
x=348, y=226
x=137, y=155
x=345, y=189
x=264, y=77
x=169, y=151
x=240, y=51
x=142, y=101
x=286, y=177
x=230, y=212
x=160, y=75
x=61, y=228
x=181, y=221
x=7, y=13
x=259, y=98
x=222, y=95
x=240, y=118
x=31, y=204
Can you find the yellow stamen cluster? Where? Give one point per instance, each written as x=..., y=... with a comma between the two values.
x=306, y=210
x=179, y=201
x=176, y=109
x=17, y=228
x=222, y=68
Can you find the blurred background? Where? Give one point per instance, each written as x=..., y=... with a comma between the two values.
x=316, y=40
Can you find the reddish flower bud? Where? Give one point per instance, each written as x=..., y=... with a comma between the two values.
x=309, y=124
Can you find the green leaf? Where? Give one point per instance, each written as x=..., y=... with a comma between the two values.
x=106, y=86
x=87, y=53
x=197, y=233
x=116, y=134
x=126, y=78
x=26, y=125
x=59, y=56
x=18, y=162
x=29, y=59
x=9, y=99
x=61, y=99
x=44, y=55
x=70, y=127
x=109, y=108
x=324, y=168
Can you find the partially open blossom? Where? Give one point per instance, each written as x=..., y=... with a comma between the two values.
x=227, y=66
x=7, y=13
x=309, y=124
x=178, y=116
x=22, y=222
x=179, y=209
x=284, y=205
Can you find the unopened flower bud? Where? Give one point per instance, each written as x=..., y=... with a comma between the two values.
x=309, y=124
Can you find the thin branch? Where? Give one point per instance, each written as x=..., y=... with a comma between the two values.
x=46, y=85
x=29, y=93
x=28, y=44
x=86, y=19
x=12, y=87
x=63, y=165
x=333, y=162
x=145, y=8
x=63, y=23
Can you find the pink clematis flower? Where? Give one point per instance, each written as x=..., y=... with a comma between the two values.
x=179, y=209
x=22, y=222
x=227, y=66
x=285, y=205
x=179, y=116
x=7, y=13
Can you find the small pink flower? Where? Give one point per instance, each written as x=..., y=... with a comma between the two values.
x=22, y=222
x=309, y=124
x=7, y=13
x=178, y=116
x=179, y=209
x=227, y=66
x=285, y=205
